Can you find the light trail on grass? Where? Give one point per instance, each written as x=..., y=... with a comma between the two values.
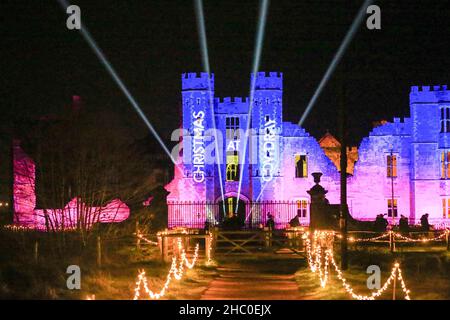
x=315, y=257
x=264, y=6
x=175, y=271
x=336, y=59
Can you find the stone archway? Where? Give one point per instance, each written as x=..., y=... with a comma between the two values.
x=227, y=208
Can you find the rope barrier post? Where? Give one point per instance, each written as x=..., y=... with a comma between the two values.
x=208, y=247
x=447, y=233
x=159, y=238
x=138, y=239
x=391, y=241
x=99, y=252
x=266, y=237
x=164, y=248
x=36, y=251
x=394, y=285
x=162, y=245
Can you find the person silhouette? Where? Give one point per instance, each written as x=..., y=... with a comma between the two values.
x=270, y=222
x=403, y=225
x=424, y=222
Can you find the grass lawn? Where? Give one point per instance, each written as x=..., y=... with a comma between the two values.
x=118, y=279
x=426, y=271
x=22, y=278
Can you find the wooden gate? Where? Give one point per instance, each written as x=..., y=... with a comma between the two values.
x=228, y=242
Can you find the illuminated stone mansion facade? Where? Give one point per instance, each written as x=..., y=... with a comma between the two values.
x=402, y=167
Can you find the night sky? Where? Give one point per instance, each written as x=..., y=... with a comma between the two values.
x=150, y=43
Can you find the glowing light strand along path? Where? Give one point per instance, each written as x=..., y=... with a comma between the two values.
x=408, y=239
x=264, y=5
x=315, y=257
x=397, y=235
x=101, y=56
x=205, y=59
x=174, y=272
x=336, y=59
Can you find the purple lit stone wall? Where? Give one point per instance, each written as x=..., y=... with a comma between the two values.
x=26, y=214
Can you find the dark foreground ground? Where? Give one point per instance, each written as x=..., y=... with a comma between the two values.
x=426, y=271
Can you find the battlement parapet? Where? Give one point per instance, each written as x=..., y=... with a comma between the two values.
x=197, y=81
x=293, y=130
x=267, y=80
x=399, y=126
x=429, y=94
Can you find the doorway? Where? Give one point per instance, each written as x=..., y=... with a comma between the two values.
x=227, y=209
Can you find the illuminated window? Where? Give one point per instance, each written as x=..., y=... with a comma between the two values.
x=230, y=207
x=232, y=128
x=445, y=165
x=392, y=209
x=302, y=208
x=232, y=166
x=445, y=119
x=446, y=208
x=232, y=132
x=391, y=166
x=301, y=166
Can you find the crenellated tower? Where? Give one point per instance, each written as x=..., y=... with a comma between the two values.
x=267, y=118
x=430, y=149
x=197, y=98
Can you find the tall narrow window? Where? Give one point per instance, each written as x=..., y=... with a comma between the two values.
x=232, y=166
x=302, y=208
x=232, y=133
x=232, y=128
x=446, y=208
x=301, y=166
x=391, y=166
x=445, y=165
x=392, y=208
x=445, y=119
x=230, y=207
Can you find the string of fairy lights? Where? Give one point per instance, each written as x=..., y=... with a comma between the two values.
x=208, y=254
x=319, y=260
x=351, y=239
x=315, y=257
x=437, y=238
x=397, y=236
x=176, y=272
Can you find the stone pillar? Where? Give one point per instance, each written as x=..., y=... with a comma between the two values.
x=318, y=203
x=322, y=215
